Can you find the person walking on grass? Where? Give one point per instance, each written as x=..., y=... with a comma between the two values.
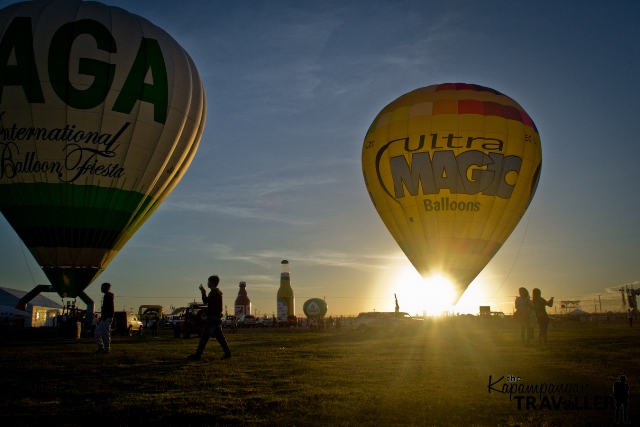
x=630, y=317
x=540, y=307
x=102, y=334
x=213, y=325
x=234, y=325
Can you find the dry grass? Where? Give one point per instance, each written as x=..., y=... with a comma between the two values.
x=434, y=376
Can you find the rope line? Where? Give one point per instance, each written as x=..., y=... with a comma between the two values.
x=26, y=262
x=517, y=255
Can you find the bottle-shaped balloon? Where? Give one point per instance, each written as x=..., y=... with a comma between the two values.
x=451, y=169
x=243, y=304
x=286, y=298
x=101, y=113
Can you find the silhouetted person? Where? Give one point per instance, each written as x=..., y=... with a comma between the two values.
x=522, y=315
x=213, y=325
x=630, y=317
x=102, y=333
x=154, y=327
x=540, y=307
x=621, y=395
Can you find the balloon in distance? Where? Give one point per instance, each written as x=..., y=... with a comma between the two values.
x=101, y=115
x=451, y=169
x=315, y=308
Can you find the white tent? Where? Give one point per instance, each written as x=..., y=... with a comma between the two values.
x=578, y=312
x=42, y=311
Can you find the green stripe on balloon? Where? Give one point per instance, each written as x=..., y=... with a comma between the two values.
x=70, y=282
x=60, y=237
x=23, y=194
x=62, y=216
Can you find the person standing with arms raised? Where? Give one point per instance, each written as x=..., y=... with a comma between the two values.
x=102, y=333
x=214, y=319
x=540, y=306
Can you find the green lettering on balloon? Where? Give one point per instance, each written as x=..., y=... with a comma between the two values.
x=102, y=72
x=19, y=39
x=149, y=57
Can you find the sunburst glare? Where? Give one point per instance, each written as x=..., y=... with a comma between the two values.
x=416, y=295
x=440, y=295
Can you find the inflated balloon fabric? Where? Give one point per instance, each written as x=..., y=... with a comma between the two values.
x=101, y=114
x=451, y=169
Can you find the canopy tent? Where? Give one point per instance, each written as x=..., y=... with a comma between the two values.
x=41, y=310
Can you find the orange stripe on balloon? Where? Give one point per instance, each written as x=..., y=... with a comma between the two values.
x=470, y=106
x=445, y=106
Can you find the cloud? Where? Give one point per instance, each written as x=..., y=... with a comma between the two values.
x=267, y=258
x=261, y=195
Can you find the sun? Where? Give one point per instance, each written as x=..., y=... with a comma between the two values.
x=432, y=296
x=440, y=293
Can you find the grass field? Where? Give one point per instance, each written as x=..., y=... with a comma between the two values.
x=438, y=375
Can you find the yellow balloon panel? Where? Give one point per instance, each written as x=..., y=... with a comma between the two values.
x=451, y=169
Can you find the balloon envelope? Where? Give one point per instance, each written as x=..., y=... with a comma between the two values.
x=451, y=169
x=101, y=114
x=315, y=308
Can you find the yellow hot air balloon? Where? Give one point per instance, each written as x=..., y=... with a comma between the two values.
x=101, y=115
x=451, y=169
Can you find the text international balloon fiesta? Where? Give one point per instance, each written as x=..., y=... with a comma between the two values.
x=101, y=115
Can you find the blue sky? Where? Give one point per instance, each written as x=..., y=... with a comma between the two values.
x=291, y=89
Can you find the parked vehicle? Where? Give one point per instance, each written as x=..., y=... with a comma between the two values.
x=378, y=321
x=227, y=321
x=247, y=321
x=411, y=321
x=288, y=321
x=146, y=314
x=264, y=322
x=126, y=323
x=175, y=315
x=192, y=321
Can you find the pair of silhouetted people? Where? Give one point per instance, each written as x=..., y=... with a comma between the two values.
x=529, y=311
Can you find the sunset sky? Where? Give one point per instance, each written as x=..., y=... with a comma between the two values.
x=292, y=87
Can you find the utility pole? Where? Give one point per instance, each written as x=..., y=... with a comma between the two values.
x=600, y=301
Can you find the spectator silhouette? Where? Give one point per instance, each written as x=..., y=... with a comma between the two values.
x=621, y=395
x=524, y=311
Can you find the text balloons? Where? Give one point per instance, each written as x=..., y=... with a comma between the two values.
x=451, y=169
x=315, y=308
x=101, y=114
